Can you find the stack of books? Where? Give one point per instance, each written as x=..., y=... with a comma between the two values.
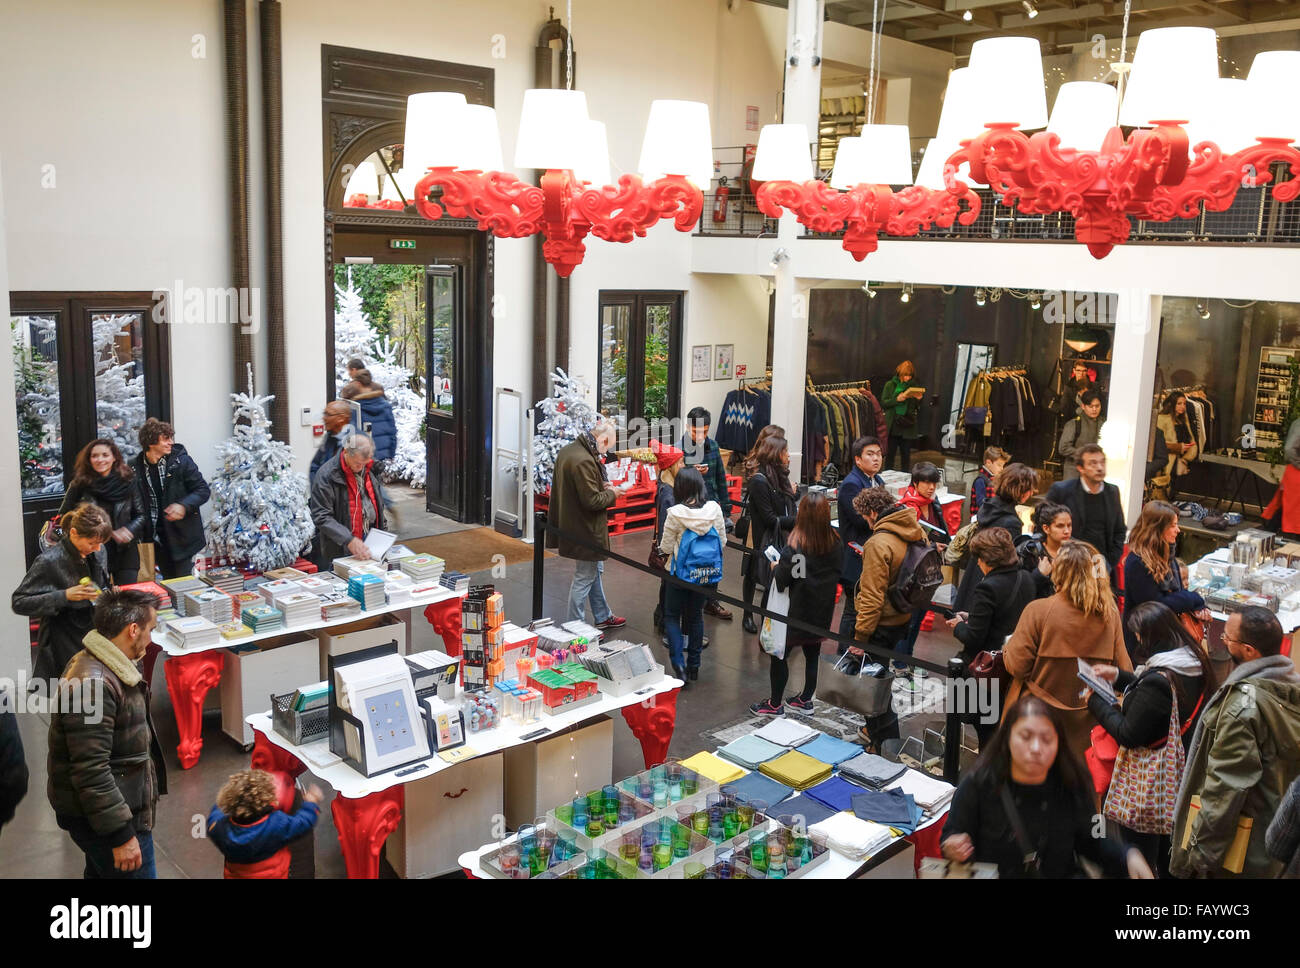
x=455, y=580
x=398, y=586
x=272, y=591
x=299, y=608
x=177, y=587
x=335, y=606
x=293, y=574
x=229, y=580
x=316, y=584
x=348, y=566
x=368, y=590
x=423, y=568
x=262, y=618
x=154, y=589
x=216, y=606
x=194, y=631
x=245, y=599
x=394, y=556
x=231, y=631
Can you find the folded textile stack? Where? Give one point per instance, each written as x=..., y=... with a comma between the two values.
x=749, y=751
x=397, y=586
x=893, y=808
x=854, y=838
x=299, y=608
x=931, y=794
x=711, y=767
x=262, y=618
x=154, y=589
x=830, y=750
x=334, y=605
x=243, y=600
x=177, y=587
x=837, y=793
x=194, y=631
x=215, y=606
x=455, y=580
x=871, y=771
x=231, y=631
x=804, y=810
x=368, y=590
x=423, y=568
x=786, y=732
x=755, y=788
x=229, y=580
x=796, y=769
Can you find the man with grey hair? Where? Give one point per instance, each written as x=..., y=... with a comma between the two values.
x=347, y=500
x=580, y=497
x=338, y=425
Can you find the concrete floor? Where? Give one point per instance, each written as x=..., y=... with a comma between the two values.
x=734, y=673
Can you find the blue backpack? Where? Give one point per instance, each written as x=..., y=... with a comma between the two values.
x=699, y=557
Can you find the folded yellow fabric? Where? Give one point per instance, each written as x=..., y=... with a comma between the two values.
x=796, y=770
x=714, y=768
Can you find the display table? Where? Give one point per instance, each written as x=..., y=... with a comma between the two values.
x=368, y=809
x=192, y=672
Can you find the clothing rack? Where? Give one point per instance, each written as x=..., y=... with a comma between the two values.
x=826, y=387
x=1004, y=369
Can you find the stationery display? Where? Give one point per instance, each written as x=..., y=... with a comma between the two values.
x=228, y=580
x=368, y=589
x=213, y=605
x=299, y=608
x=454, y=580
x=444, y=722
x=433, y=673
x=177, y=587
x=621, y=667
x=375, y=723
x=423, y=568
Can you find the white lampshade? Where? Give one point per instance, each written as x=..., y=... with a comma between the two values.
x=930, y=172
x=552, y=129
x=1271, y=88
x=678, y=141
x=783, y=154
x=1013, y=68
x=881, y=155
x=1173, y=70
x=956, y=116
x=482, y=140
x=1084, y=111
x=435, y=131
x=363, y=181
x=593, y=166
x=1225, y=117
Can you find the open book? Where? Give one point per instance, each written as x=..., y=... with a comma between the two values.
x=1100, y=686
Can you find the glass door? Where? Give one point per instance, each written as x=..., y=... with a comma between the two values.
x=444, y=306
x=640, y=361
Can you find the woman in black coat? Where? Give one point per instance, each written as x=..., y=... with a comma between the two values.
x=102, y=476
x=998, y=599
x=1015, y=485
x=61, y=586
x=1151, y=572
x=1053, y=526
x=810, y=569
x=771, y=509
x=1173, y=669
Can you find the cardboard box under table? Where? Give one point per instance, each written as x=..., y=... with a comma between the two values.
x=541, y=774
x=362, y=634
x=269, y=666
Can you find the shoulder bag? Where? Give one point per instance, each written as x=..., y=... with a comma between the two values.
x=1144, y=787
x=1033, y=861
x=656, y=559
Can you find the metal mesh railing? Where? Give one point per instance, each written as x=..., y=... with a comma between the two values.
x=740, y=216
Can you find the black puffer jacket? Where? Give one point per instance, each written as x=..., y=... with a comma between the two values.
x=769, y=509
x=995, y=512
x=13, y=765
x=106, y=771
x=184, y=485
x=43, y=594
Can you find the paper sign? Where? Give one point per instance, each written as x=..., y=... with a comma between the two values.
x=458, y=754
x=741, y=368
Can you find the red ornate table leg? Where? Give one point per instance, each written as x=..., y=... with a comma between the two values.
x=189, y=677
x=445, y=618
x=274, y=759
x=363, y=825
x=652, y=722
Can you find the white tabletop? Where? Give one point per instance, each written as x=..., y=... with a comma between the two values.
x=172, y=646
x=349, y=783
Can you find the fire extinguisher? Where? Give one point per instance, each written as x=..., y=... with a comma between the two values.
x=720, y=200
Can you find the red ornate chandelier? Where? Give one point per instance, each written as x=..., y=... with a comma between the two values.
x=457, y=144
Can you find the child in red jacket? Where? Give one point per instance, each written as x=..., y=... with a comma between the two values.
x=250, y=828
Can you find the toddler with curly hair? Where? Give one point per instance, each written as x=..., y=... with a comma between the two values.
x=252, y=828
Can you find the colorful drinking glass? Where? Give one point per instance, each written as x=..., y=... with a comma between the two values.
x=663, y=856
x=745, y=813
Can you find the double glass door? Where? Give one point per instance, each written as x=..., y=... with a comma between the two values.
x=640, y=355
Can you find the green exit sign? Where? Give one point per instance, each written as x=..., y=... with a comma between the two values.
x=401, y=243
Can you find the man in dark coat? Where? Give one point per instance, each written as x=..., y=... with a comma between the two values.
x=702, y=453
x=580, y=498
x=347, y=500
x=106, y=769
x=13, y=764
x=174, y=490
x=868, y=455
x=337, y=419
x=1094, y=505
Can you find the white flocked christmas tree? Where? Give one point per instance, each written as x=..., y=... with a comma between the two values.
x=259, y=503
x=565, y=415
x=355, y=337
x=119, y=385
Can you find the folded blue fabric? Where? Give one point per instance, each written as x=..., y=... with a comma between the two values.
x=750, y=750
x=894, y=808
x=756, y=786
x=830, y=750
x=837, y=793
x=806, y=807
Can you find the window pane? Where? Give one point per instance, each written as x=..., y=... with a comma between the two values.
x=118, y=347
x=613, y=360
x=442, y=299
x=658, y=340
x=36, y=385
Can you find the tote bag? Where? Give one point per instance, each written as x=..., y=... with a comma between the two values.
x=772, y=635
x=1144, y=786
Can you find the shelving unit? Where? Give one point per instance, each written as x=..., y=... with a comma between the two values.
x=1272, y=394
x=835, y=123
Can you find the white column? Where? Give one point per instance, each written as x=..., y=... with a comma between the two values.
x=14, y=653
x=1127, y=430
x=802, y=105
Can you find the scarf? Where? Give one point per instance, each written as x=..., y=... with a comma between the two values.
x=1181, y=660
x=109, y=489
x=356, y=508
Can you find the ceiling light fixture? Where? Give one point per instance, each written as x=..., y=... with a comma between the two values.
x=1203, y=309
x=1035, y=300
x=906, y=294
x=967, y=16
x=980, y=296
x=866, y=287
x=1030, y=10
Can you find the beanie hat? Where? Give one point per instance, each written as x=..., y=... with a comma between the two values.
x=666, y=455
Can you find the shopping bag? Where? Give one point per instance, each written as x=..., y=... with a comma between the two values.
x=146, y=572
x=1144, y=785
x=866, y=694
x=772, y=635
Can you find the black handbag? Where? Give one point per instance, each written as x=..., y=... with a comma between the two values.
x=975, y=416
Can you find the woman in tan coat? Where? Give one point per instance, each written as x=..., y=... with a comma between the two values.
x=1079, y=621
